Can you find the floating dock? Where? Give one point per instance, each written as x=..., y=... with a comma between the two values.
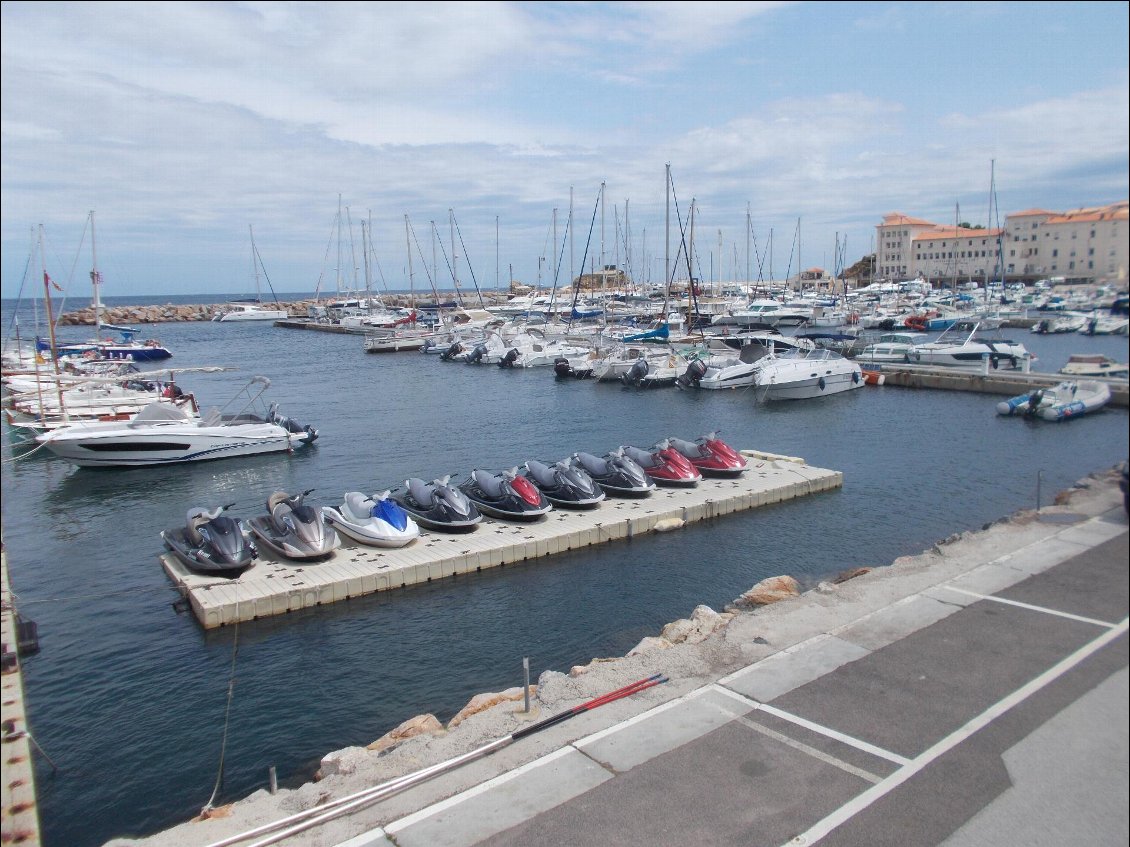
x=275, y=586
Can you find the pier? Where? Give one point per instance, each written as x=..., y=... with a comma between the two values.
x=276, y=586
x=19, y=818
x=1006, y=383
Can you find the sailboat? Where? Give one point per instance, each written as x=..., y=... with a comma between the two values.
x=125, y=348
x=254, y=310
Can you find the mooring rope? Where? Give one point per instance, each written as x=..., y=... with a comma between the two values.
x=227, y=717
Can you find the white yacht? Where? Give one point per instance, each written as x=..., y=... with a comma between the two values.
x=960, y=345
x=799, y=376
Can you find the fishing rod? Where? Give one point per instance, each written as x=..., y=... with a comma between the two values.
x=309, y=818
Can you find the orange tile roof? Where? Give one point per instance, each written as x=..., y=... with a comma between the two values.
x=956, y=232
x=899, y=219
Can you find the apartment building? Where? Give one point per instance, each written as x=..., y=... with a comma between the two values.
x=1083, y=245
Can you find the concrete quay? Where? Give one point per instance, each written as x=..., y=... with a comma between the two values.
x=1006, y=383
x=976, y=693
x=276, y=586
x=19, y=812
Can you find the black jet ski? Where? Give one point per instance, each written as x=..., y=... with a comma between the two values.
x=565, y=484
x=438, y=505
x=211, y=542
x=506, y=495
x=293, y=529
x=616, y=473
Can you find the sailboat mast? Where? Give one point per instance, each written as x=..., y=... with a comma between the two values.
x=255, y=265
x=96, y=284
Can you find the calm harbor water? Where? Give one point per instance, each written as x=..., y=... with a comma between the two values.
x=128, y=697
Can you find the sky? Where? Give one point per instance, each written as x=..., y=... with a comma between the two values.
x=452, y=143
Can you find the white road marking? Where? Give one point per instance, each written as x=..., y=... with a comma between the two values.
x=1030, y=607
x=849, y=810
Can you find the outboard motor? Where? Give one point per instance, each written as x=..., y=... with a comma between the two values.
x=476, y=354
x=451, y=352
x=696, y=370
x=562, y=368
x=509, y=359
x=636, y=374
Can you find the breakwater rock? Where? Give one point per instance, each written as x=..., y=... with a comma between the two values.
x=183, y=313
x=168, y=313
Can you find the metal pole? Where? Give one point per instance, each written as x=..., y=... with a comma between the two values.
x=1039, y=480
x=273, y=779
x=526, y=687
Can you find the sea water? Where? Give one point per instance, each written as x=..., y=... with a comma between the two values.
x=130, y=697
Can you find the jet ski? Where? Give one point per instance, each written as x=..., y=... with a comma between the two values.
x=666, y=465
x=565, y=484
x=711, y=455
x=211, y=542
x=377, y=521
x=506, y=495
x=616, y=473
x=293, y=529
x=438, y=505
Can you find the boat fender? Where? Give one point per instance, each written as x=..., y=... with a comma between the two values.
x=855, y=377
x=821, y=383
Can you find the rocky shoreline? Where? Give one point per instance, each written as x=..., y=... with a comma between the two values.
x=771, y=617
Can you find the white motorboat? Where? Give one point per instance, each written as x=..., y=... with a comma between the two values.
x=763, y=313
x=1086, y=364
x=249, y=312
x=798, y=376
x=163, y=434
x=960, y=345
x=726, y=370
x=889, y=347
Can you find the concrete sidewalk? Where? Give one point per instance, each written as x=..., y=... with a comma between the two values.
x=975, y=694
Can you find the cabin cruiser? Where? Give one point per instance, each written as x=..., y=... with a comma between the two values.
x=164, y=433
x=798, y=376
x=763, y=313
x=960, y=345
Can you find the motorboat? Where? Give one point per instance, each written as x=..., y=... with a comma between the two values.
x=799, y=376
x=616, y=473
x=212, y=542
x=125, y=347
x=656, y=372
x=763, y=313
x=232, y=312
x=1067, y=399
x=724, y=370
x=665, y=465
x=1086, y=364
x=374, y=520
x=165, y=433
x=1106, y=325
x=438, y=505
x=966, y=348
x=710, y=455
x=294, y=529
x=507, y=495
x=565, y=484
x=892, y=347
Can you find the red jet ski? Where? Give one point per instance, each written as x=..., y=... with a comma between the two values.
x=710, y=455
x=665, y=465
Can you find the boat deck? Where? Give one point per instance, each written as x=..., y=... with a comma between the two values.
x=276, y=586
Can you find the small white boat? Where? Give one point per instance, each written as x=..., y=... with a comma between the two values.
x=1085, y=364
x=799, y=376
x=1068, y=399
x=889, y=347
x=163, y=434
x=249, y=312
